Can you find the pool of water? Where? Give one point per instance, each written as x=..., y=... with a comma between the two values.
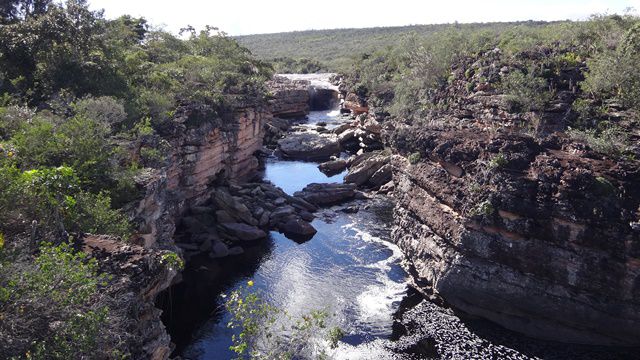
x=293, y=176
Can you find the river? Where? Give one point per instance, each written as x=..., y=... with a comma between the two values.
x=348, y=269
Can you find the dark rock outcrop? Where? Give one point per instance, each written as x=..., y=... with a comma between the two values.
x=138, y=275
x=327, y=194
x=534, y=233
x=309, y=146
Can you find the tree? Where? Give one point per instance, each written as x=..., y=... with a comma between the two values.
x=16, y=10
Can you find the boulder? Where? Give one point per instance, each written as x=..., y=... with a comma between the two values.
x=341, y=128
x=334, y=167
x=327, y=194
x=218, y=250
x=382, y=176
x=297, y=229
x=244, y=232
x=223, y=217
x=193, y=225
x=309, y=146
x=364, y=166
x=235, y=209
x=355, y=103
x=281, y=213
x=236, y=250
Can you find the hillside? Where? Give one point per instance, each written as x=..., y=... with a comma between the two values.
x=336, y=48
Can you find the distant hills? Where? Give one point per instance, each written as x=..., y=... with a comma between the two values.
x=336, y=48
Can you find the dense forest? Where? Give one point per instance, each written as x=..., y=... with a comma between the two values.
x=77, y=89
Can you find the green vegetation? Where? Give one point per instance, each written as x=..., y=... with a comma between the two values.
x=498, y=161
x=414, y=158
x=287, y=65
x=484, y=208
x=85, y=104
x=338, y=48
x=53, y=308
x=525, y=92
x=172, y=260
x=261, y=336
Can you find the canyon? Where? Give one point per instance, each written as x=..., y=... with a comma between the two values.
x=535, y=234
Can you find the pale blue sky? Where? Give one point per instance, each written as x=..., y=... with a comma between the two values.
x=238, y=17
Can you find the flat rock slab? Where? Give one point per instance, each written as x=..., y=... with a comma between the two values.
x=334, y=167
x=327, y=194
x=309, y=146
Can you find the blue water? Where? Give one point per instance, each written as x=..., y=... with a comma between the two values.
x=347, y=269
x=293, y=176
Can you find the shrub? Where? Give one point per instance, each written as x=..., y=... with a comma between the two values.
x=525, y=92
x=610, y=141
x=498, y=161
x=12, y=118
x=259, y=338
x=151, y=157
x=93, y=213
x=52, y=308
x=613, y=73
x=414, y=158
x=105, y=110
x=484, y=208
x=172, y=261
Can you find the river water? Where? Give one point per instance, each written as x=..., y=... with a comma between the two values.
x=348, y=269
x=351, y=271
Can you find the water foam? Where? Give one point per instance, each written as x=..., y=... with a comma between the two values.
x=376, y=304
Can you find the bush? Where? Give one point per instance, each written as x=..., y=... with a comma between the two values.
x=93, y=214
x=259, y=338
x=52, y=308
x=525, y=92
x=484, y=208
x=610, y=141
x=613, y=72
x=498, y=161
x=414, y=158
x=104, y=110
x=12, y=118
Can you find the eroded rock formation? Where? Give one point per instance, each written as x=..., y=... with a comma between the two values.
x=138, y=276
x=539, y=234
x=199, y=157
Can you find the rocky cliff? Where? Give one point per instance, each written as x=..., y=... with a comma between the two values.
x=199, y=158
x=528, y=228
x=289, y=98
x=138, y=275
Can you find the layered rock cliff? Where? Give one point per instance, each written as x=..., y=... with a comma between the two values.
x=199, y=158
x=530, y=229
x=138, y=275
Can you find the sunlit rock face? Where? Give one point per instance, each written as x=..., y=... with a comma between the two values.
x=200, y=158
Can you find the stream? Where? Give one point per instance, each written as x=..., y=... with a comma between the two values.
x=348, y=269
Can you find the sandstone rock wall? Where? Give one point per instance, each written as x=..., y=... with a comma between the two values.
x=290, y=98
x=199, y=158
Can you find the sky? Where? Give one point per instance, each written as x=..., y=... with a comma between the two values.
x=242, y=17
